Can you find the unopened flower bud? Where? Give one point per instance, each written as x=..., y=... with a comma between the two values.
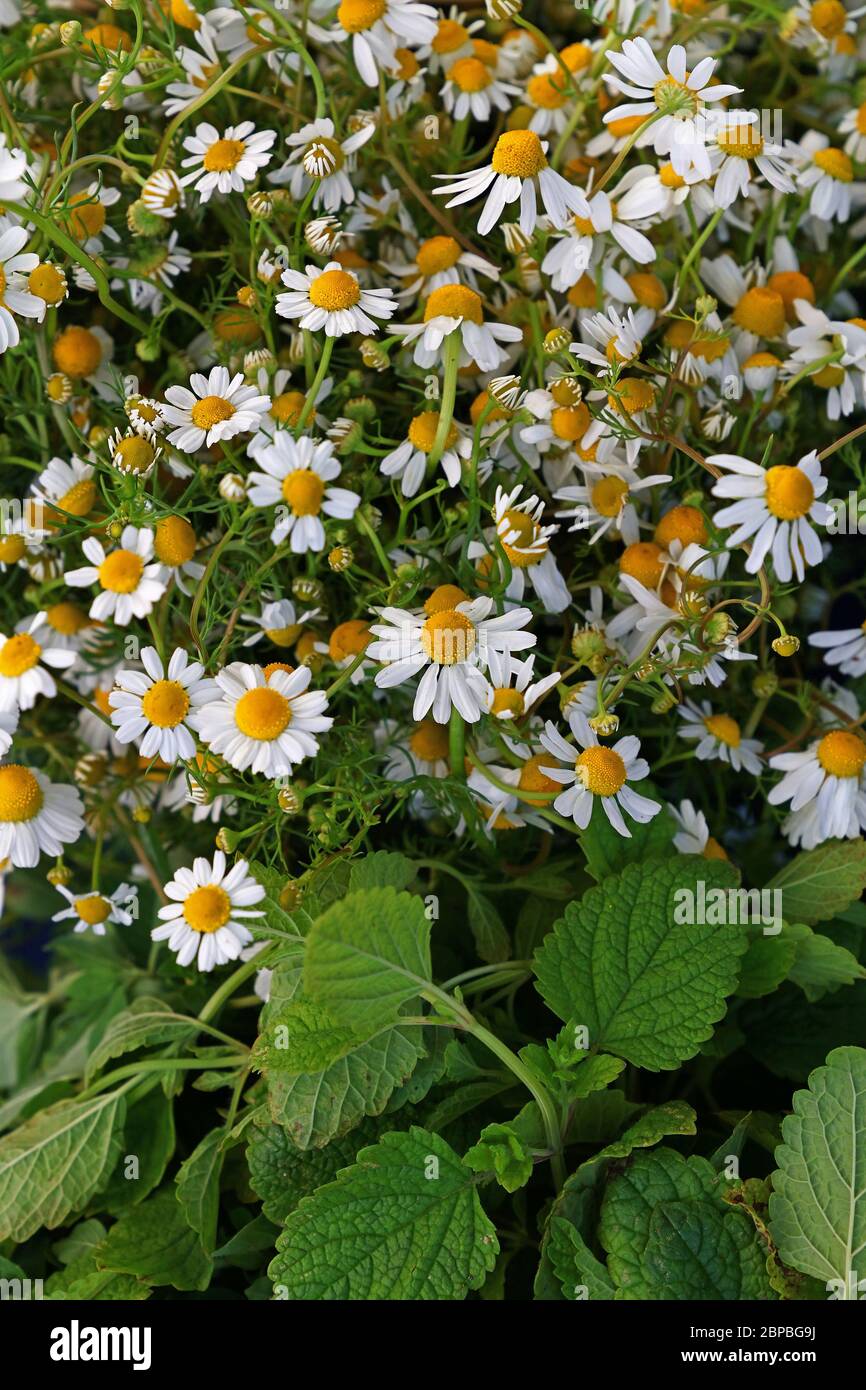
x=503, y=9
x=705, y=305
x=226, y=839
x=261, y=204
x=246, y=296
x=290, y=895
x=718, y=628
x=506, y=391
x=141, y=814
x=664, y=702
x=516, y=240
x=604, y=724
x=786, y=644
x=765, y=684
x=308, y=590
x=289, y=800
x=373, y=356
x=232, y=487
x=341, y=558
x=323, y=235
x=70, y=33
x=557, y=340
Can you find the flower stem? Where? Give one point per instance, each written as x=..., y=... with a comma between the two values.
x=451, y=358
x=310, y=402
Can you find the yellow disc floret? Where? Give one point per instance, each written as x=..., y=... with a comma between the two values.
x=223, y=155
x=174, y=541
x=303, y=490
x=429, y=742
x=601, y=771
x=334, y=290
x=210, y=411
x=422, y=431
x=842, y=754
x=519, y=154
x=608, y=496
x=93, y=909
x=443, y=598
x=437, y=253
x=263, y=713
x=762, y=311
x=77, y=351
x=20, y=794
x=165, y=704
x=789, y=492
x=208, y=908
x=18, y=655
x=836, y=163
x=348, y=639
x=448, y=637
x=724, y=728
x=121, y=571
x=454, y=302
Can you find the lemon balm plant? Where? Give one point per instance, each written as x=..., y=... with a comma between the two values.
x=428, y=435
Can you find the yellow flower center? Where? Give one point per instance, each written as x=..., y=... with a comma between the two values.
x=110, y=37
x=422, y=431
x=545, y=92
x=79, y=500
x=223, y=155
x=273, y=666
x=583, y=225
x=672, y=96
x=283, y=636
x=668, y=176
x=408, y=65
x=626, y=125
x=134, y=454
x=332, y=152
x=20, y=794
x=507, y=701
x=684, y=524
x=348, y=639
x=11, y=549
x=518, y=154
x=713, y=850
x=287, y=406
x=448, y=637
x=47, y=283
x=77, y=352
x=842, y=754
x=449, y=36
x=429, y=742
x=828, y=377
x=210, y=411
x=570, y=422
x=828, y=18
x=445, y=597
x=236, y=324
x=66, y=618
x=634, y=395
x=532, y=779
x=601, y=770
x=121, y=571
x=303, y=490
x=165, y=704
x=761, y=311
x=528, y=547
x=174, y=541
x=470, y=75
x=335, y=289
x=87, y=218
x=608, y=496
x=861, y=119
x=454, y=302
x=437, y=253
x=835, y=163
x=356, y=15
x=208, y=908
x=18, y=655
x=724, y=728
x=761, y=359
x=643, y=562
x=648, y=290
x=577, y=56
x=789, y=492
x=263, y=713
x=741, y=142
x=566, y=391
x=93, y=909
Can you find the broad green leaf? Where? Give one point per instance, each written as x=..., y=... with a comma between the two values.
x=818, y=1206
x=198, y=1186
x=21, y=1022
x=607, y=852
x=820, y=883
x=302, y=1036
x=81, y=1239
x=383, y=869
x=501, y=1151
x=147, y=1023
x=368, y=955
x=791, y=1039
x=576, y=1267
x=282, y=1174
x=492, y=941
x=765, y=965
x=675, y=1117
x=55, y=1162
x=148, y=1137
x=647, y=987
x=404, y=1223
x=462, y=1100
x=325, y=884
x=155, y=1242
x=820, y=965
x=83, y=1281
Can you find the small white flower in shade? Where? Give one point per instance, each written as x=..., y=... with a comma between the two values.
x=162, y=193
x=219, y=406
x=845, y=648
x=157, y=707
x=22, y=674
x=853, y=125
x=264, y=722
x=408, y=461
x=296, y=479
x=761, y=371
x=774, y=508
x=36, y=816
x=526, y=543
x=635, y=201
x=518, y=170
x=419, y=751
x=205, y=920
x=598, y=772
x=512, y=691
x=736, y=143
x=457, y=308
x=693, y=834
x=680, y=96
x=438, y=261
x=8, y=725
x=719, y=736
x=225, y=163
x=472, y=88
x=333, y=299
x=68, y=487
x=87, y=217
x=317, y=157
x=826, y=788
x=604, y=500
x=621, y=337
x=452, y=646
x=378, y=28
x=129, y=583
x=819, y=337
x=15, y=296
x=827, y=173
x=286, y=407
x=134, y=452
x=278, y=622
x=91, y=911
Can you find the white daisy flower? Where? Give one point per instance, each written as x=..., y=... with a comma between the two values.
x=845, y=648
x=827, y=172
x=526, y=543
x=278, y=622
x=598, y=772
x=91, y=911
x=719, y=736
x=378, y=28
x=633, y=202
x=693, y=834
x=22, y=675
x=333, y=299
x=15, y=296
x=295, y=481
x=162, y=193
x=471, y=87
x=36, y=816
x=819, y=337
x=225, y=163
x=135, y=451
x=408, y=461
x=438, y=261
x=423, y=752
x=204, y=922
x=736, y=144
x=129, y=583
x=853, y=124
x=87, y=217
x=604, y=500
x=517, y=170
x=826, y=788
x=13, y=162
x=452, y=646
x=8, y=725
x=67, y=488
x=454, y=308
x=511, y=690
x=264, y=723
x=158, y=707
x=317, y=158
x=621, y=336
x=219, y=406
x=85, y=354
x=774, y=506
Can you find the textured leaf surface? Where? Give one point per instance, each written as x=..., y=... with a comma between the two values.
x=648, y=988
x=383, y=869
x=404, y=1223
x=146, y=1024
x=821, y=965
x=302, y=1036
x=198, y=1186
x=575, y=1265
x=820, y=883
x=81, y=1279
x=765, y=965
x=155, y=1242
x=282, y=1174
x=818, y=1206
x=607, y=851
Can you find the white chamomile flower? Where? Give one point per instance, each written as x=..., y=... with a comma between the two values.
x=604, y=500
x=333, y=299
x=157, y=707
x=130, y=584
x=598, y=772
x=423, y=752
x=91, y=911
x=773, y=509
x=736, y=143
x=162, y=193
x=408, y=461
x=472, y=88
x=845, y=648
x=205, y=920
x=826, y=788
x=278, y=622
x=452, y=646
x=818, y=337
x=8, y=725
x=87, y=217
x=264, y=723
x=22, y=674
x=15, y=296
x=693, y=834
x=70, y=488
x=620, y=335
x=456, y=308
x=225, y=163
x=512, y=690
x=526, y=543
x=517, y=170
x=438, y=261
x=825, y=172
x=378, y=28
x=219, y=406
x=317, y=157
x=296, y=478
x=616, y=214
x=719, y=736
x=145, y=415
x=135, y=451
x=853, y=125
x=36, y=816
